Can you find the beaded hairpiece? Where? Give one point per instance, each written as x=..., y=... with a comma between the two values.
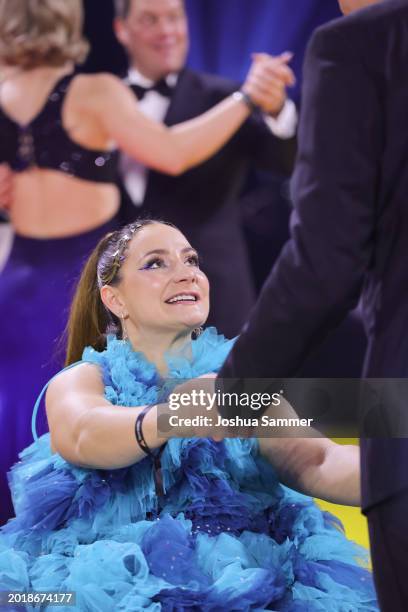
x=118, y=256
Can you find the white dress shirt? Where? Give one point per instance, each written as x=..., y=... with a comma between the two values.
x=155, y=106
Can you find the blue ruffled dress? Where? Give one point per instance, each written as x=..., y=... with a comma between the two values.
x=224, y=536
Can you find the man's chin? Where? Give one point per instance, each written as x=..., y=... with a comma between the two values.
x=170, y=64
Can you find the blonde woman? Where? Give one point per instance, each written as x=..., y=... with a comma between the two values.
x=60, y=134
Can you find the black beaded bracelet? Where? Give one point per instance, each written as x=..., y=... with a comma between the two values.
x=139, y=429
x=158, y=479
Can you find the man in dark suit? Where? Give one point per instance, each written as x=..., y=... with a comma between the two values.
x=349, y=237
x=203, y=201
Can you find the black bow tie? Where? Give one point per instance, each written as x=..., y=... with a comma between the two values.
x=161, y=87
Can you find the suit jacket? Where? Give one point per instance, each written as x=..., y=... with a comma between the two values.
x=349, y=228
x=202, y=202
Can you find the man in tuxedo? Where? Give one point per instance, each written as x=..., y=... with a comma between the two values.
x=203, y=201
x=349, y=236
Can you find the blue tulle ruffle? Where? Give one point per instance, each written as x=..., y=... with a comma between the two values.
x=226, y=535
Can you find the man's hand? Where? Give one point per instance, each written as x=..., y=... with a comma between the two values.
x=192, y=409
x=197, y=399
x=206, y=382
x=267, y=81
x=6, y=187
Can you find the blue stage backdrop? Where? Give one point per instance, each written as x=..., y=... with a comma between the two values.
x=224, y=33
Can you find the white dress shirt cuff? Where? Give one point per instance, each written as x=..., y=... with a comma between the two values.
x=285, y=124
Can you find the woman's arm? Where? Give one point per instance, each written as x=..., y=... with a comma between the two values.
x=89, y=431
x=314, y=466
x=178, y=148
x=5, y=187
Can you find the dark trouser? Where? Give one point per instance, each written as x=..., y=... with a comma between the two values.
x=388, y=528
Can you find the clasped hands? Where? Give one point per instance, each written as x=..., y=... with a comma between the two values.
x=267, y=80
x=192, y=411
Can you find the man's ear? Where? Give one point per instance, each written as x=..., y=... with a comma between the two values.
x=112, y=299
x=121, y=31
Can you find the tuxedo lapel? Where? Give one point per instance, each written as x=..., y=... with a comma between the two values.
x=188, y=99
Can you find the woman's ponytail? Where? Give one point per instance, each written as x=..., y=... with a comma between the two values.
x=88, y=318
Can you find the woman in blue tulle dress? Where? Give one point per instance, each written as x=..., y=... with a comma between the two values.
x=212, y=530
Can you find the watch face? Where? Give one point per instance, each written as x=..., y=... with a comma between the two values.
x=241, y=96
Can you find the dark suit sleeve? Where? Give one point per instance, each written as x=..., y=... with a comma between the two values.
x=265, y=150
x=255, y=141
x=319, y=275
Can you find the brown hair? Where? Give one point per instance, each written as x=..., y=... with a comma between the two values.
x=89, y=320
x=122, y=8
x=41, y=32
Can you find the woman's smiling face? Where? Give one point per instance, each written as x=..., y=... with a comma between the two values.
x=162, y=286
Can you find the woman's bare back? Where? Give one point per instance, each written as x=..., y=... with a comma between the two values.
x=49, y=203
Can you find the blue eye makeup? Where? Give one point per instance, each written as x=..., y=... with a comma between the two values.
x=158, y=262
x=154, y=264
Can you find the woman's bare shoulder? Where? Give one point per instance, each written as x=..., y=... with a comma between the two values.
x=82, y=378
x=100, y=83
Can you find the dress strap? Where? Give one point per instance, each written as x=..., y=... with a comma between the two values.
x=40, y=397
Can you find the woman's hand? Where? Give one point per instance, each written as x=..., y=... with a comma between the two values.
x=267, y=81
x=309, y=462
x=6, y=187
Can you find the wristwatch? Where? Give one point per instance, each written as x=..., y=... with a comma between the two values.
x=242, y=96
